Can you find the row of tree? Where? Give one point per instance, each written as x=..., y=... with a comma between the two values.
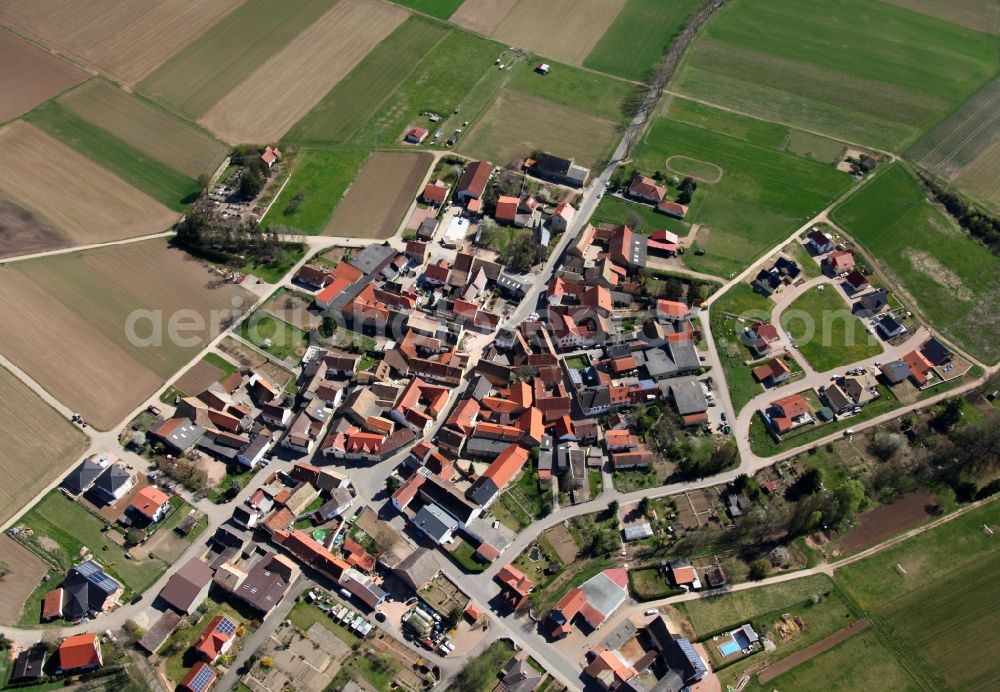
x=978, y=223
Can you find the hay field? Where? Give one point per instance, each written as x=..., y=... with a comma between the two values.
x=954, y=280
x=293, y=80
x=355, y=98
x=381, y=194
x=146, y=128
x=127, y=40
x=31, y=75
x=981, y=15
x=566, y=30
x=482, y=16
x=72, y=193
x=72, y=311
x=33, y=436
x=23, y=232
x=518, y=124
x=214, y=64
x=830, y=67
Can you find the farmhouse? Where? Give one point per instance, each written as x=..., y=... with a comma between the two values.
x=270, y=155
x=435, y=193
x=594, y=601
x=673, y=209
x=472, y=184
x=557, y=170
x=646, y=189
x=313, y=277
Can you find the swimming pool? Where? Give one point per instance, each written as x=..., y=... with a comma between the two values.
x=729, y=648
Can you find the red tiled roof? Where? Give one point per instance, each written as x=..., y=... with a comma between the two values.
x=212, y=639
x=52, y=605
x=435, y=193
x=672, y=208
x=79, y=651
x=671, y=308
x=347, y=272
x=506, y=465
x=188, y=682
x=149, y=500
x=487, y=552
x=792, y=406
x=507, y=208
x=474, y=178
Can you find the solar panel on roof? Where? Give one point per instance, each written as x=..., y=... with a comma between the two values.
x=97, y=576
x=226, y=626
x=202, y=679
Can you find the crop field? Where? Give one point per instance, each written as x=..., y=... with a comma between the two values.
x=482, y=16
x=76, y=196
x=458, y=72
x=764, y=194
x=356, y=97
x=981, y=178
x=828, y=67
x=31, y=76
x=825, y=331
x=146, y=128
x=981, y=15
x=319, y=179
x=126, y=40
x=762, y=132
x=442, y=9
x=167, y=186
x=575, y=88
x=936, y=606
x=384, y=190
x=26, y=572
x=23, y=232
x=566, y=30
x=33, y=436
x=271, y=99
x=197, y=77
x=518, y=124
x=954, y=280
x=639, y=36
x=88, y=330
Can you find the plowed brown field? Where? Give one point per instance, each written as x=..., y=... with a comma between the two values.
x=565, y=30
x=482, y=16
x=30, y=76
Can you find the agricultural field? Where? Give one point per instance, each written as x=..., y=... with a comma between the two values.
x=981, y=15
x=964, y=148
x=565, y=30
x=935, y=607
x=763, y=195
x=146, y=127
x=442, y=9
x=216, y=62
x=127, y=41
x=33, y=435
x=825, y=331
x=482, y=16
x=384, y=190
x=356, y=97
x=162, y=183
x=318, y=181
x=827, y=67
x=23, y=233
x=81, y=200
x=954, y=280
x=26, y=570
x=283, y=89
x=572, y=87
x=74, y=311
x=639, y=36
x=31, y=76
x=517, y=124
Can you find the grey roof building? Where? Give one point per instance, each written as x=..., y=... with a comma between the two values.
x=435, y=523
x=110, y=485
x=895, y=372
x=87, y=589
x=82, y=477
x=418, y=568
x=373, y=258
x=688, y=395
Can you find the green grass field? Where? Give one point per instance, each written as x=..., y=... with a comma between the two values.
x=570, y=86
x=217, y=361
x=286, y=340
x=59, y=519
x=639, y=36
x=211, y=66
x=164, y=184
x=356, y=97
x=726, y=329
x=442, y=9
x=320, y=177
x=762, y=132
x=954, y=280
x=868, y=72
x=640, y=217
x=825, y=332
x=763, y=196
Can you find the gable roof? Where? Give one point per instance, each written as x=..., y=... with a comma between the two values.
x=148, y=501
x=184, y=586
x=79, y=651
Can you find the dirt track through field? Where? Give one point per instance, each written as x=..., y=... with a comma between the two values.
x=76, y=196
x=482, y=16
x=290, y=83
x=386, y=187
x=566, y=30
x=825, y=644
x=30, y=76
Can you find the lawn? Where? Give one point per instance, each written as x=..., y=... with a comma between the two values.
x=762, y=443
x=828, y=67
x=639, y=217
x=596, y=482
x=858, y=663
x=764, y=193
x=639, y=36
x=304, y=615
x=442, y=9
x=177, y=652
x=358, y=96
x=464, y=556
x=164, y=184
x=228, y=52
x=630, y=480
x=71, y=527
x=480, y=673
x=319, y=179
x=649, y=583
x=825, y=331
x=762, y=132
x=522, y=502
x=217, y=361
x=280, y=263
x=954, y=280
x=741, y=301
x=711, y=615
x=286, y=340
x=230, y=484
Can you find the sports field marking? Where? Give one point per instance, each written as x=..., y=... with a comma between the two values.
x=705, y=171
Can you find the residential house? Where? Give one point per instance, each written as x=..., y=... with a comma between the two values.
x=871, y=304
x=270, y=155
x=920, y=367
x=673, y=209
x=149, y=505
x=516, y=587
x=936, y=352
x=689, y=399
x=79, y=653
x=856, y=282
x=838, y=262
x=28, y=666
x=561, y=218
x=435, y=193
x=558, y=170
x=818, y=243
x=113, y=484
x=787, y=413
x=254, y=452
x=187, y=587
x=594, y=601
x=684, y=576
x=759, y=336
x=472, y=184
x=88, y=590
x=646, y=189
x=889, y=327
x=851, y=391
x=216, y=639
x=313, y=277
x=178, y=434
x=199, y=679
x=487, y=488
x=363, y=587
x=773, y=372
x=83, y=476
